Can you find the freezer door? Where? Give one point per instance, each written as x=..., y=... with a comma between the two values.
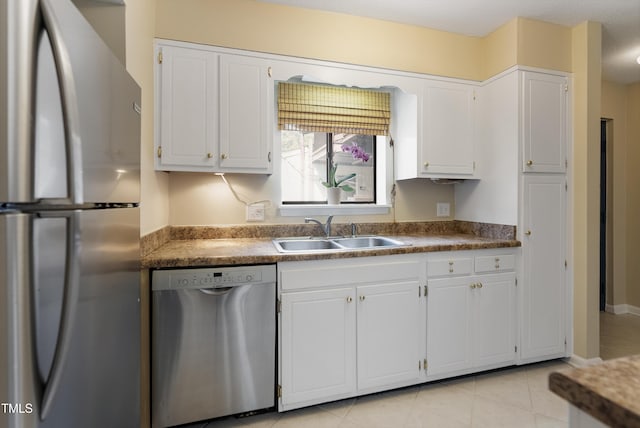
x=84, y=144
x=85, y=284
x=19, y=384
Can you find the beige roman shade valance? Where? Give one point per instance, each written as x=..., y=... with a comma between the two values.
x=322, y=108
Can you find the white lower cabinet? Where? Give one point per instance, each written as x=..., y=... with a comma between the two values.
x=388, y=334
x=317, y=345
x=471, y=318
x=544, y=265
x=355, y=326
x=349, y=327
x=494, y=321
x=449, y=325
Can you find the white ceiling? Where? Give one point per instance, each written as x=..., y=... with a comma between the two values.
x=620, y=20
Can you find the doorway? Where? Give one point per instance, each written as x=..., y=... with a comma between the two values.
x=603, y=214
x=606, y=215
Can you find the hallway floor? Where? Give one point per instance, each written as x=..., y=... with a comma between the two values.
x=619, y=335
x=511, y=397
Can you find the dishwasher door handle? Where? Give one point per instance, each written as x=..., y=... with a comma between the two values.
x=215, y=291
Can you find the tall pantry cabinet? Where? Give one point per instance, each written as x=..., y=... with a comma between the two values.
x=544, y=136
x=525, y=120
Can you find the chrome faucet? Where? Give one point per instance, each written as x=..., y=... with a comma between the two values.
x=326, y=228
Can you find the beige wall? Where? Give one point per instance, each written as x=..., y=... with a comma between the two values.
x=264, y=27
x=544, y=45
x=526, y=42
x=586, y=63
x=500, y=49
x=633, y=200
x=614, y=109
x=109, y=22
x=154, y=203
x=204, y=199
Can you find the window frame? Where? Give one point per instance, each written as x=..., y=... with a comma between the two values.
x=329, y=143
x=384, y=188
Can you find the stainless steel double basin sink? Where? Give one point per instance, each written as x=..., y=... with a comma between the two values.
x=297, y=245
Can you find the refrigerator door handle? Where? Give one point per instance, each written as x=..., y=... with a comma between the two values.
x=70, y=113
x=69, y=309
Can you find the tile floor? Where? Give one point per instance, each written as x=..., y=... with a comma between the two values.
x=511, y=397
x=619, y=335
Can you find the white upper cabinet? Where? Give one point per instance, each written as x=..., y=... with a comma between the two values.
x=544, y=130
x=213, y=110
x=448, y=118
x=434, y=130
x=187, y=108
x=245, y=117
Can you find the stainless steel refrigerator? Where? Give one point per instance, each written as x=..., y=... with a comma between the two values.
x=69, y=223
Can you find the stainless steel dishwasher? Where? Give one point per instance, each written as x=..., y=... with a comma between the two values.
x=213, y=343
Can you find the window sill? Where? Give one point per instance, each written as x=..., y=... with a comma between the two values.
x=347, y=209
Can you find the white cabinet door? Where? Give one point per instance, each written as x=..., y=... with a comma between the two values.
x=494, y=319
x=245, y=113
x=388, y=334
x=317, y=345
x=543, y=255
x=544, y=130
x=448, y=325
x=448, y=118
x=187, y=94
x=471, y=322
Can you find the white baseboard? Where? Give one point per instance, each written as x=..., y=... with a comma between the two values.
x=622, y=309
x=580, y=362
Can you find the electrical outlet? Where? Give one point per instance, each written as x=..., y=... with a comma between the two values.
x=255, y=212
x=443, y=209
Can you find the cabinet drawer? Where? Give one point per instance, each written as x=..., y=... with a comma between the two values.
x=449, y=267
x=495, y=263
x=302, y=275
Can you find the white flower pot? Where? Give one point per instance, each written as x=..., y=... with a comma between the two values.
x=333, y=195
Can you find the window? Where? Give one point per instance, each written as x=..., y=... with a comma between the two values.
x=306, y=165
x=328, y=138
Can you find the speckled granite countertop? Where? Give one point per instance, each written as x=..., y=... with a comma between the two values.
x=260, y=250
x=608, y=392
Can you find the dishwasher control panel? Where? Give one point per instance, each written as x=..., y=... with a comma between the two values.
x=212, y=277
